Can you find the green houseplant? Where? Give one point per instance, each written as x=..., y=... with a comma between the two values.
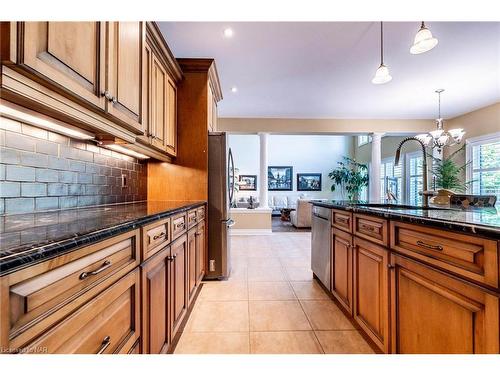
x=447, y=173
x=350, y=176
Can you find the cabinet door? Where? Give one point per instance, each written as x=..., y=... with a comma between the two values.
x=200, y=252
x=171, y=128
x=342, y=268
x=124, y=75
x=371, y=307
x=155, y=303
x=68, y=55
x=178, y=282
x=158, y=104
x=191, y=263
x=434, y=313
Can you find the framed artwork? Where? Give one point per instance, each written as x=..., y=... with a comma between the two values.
x=279, y=178
x=248, y=182
x=391, y=185
x=309, y=181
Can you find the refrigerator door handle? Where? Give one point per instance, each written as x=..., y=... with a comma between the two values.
x=229, y=222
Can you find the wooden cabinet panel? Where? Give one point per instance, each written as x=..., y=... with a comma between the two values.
x=124, y=76
x=155, y=237
x=178, y=281
x=435, y=313
x=191, y=245
x=371, y=305
x=158, y=104
x=342, y=220
x=201, y=251
x=472, y=257
x=178, y=225
x=191, y=218
x=105, y=325
x=342, y=268
x=171, y=126
x=156, y=334
x=371, y=228
x=67, y=55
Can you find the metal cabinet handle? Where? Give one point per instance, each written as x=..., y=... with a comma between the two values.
x=391, y=266
x=169, y=258
x=428, y=246
x=104, y=266
x=179, y=226
x=160, y=235
x=174, y=256
x=104, y=345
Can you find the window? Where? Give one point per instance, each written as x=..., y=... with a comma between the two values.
x=483, y=153
x=364, y=139
x=414, y=177
x=391, y=178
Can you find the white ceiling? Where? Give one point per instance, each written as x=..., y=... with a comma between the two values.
x=324, y=70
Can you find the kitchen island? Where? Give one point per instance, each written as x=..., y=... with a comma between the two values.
x=415, y=280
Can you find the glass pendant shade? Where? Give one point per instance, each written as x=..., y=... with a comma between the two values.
x=424, y=138
x=436, y=133
x=381, y=75
x=424, y=41
x=456, y=134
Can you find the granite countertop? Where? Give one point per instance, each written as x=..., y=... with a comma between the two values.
x=481, y=221
x=26, y=239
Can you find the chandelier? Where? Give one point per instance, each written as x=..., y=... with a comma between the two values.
x=439, y=138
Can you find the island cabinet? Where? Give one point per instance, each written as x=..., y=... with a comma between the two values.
x=342, y=258
x=433, y=312
x=97, y=64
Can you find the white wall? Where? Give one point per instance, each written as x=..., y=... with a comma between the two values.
x=305, y=153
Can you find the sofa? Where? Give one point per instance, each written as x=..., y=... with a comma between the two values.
x=301, y=217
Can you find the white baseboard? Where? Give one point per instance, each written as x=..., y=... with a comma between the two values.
x=250, y=232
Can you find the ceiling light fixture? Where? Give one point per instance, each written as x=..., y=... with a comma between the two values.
x=228, y=32
x=424, y=41
x=234, y=89
x=126, y=151
x=382, y=74
x=440, y=137
x=30, y=117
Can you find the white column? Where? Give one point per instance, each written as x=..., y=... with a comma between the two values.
x=263, y=171
x=374, y=192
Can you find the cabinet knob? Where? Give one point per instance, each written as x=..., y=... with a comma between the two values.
x=391, y=266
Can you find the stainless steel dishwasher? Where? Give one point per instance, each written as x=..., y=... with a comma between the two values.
x=321, y=244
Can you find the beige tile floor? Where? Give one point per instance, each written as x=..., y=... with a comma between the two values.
x=269, y=305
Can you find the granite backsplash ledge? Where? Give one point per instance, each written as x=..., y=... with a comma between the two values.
x=41, y=171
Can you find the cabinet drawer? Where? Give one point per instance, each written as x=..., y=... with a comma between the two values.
x=155, y=236
x=472, y=257
x=371, y=228
x=178, y=225
x=42, y=294
x=191, y=218
x=107, y=324
x=342, y=220
x=200, y=214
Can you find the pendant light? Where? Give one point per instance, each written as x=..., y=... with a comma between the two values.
x=424, y=41
x=440, y=137
x=382, y=74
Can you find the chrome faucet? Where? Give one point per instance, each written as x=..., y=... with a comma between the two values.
x=425, y=195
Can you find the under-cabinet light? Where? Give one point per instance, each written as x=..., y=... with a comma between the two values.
x=127, y=151
x=30, y=117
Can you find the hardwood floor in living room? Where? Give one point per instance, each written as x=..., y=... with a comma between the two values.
x=269, y=305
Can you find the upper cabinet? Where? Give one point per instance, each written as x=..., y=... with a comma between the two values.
x=71, y=55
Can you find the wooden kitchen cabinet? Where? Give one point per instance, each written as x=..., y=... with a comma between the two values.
x=156, y=310
x=68, y=55
x=212, y=111
x=201, y=251
x=192, y=275
x=178, y=281
x=342, y=268
x=433, y=312
x=371, y=289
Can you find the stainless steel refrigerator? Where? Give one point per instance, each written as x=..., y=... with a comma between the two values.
x=220, y=195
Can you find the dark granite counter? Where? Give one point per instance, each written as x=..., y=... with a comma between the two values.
x=26, y=239
x=480, y=221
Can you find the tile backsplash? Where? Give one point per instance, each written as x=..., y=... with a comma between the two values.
x=41, y=170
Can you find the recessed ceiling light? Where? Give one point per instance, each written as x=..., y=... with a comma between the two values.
x=228, y=32
x=234, y=89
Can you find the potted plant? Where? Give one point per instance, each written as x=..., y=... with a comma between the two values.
x=351, y=176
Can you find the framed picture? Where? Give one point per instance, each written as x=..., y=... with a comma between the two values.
x=391, y=185
x=248, y=182
x=279, y=178
x=309, y=181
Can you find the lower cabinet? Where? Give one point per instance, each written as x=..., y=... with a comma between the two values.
x=371, y=289
x=436, y=313
x=192, y=275
x=178, y=281
x=342, y=268
x=109, y=323
x=156, y=311
x=201, y=257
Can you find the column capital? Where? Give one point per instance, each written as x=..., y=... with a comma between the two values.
x=377, y=135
